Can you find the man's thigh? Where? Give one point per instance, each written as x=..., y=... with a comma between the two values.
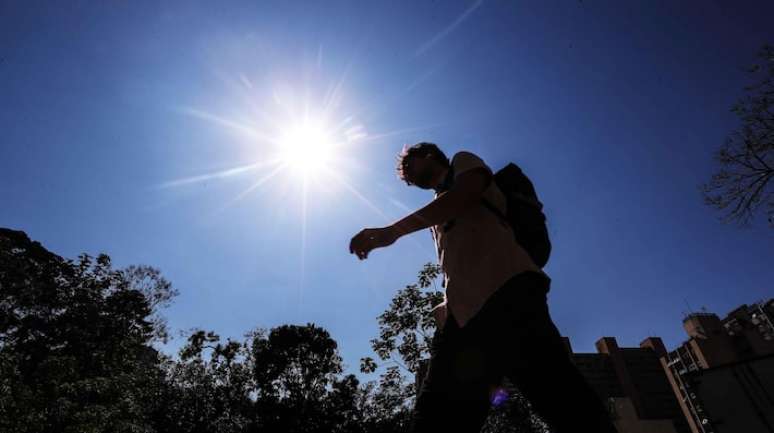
x=537, y=361
x=455, y=392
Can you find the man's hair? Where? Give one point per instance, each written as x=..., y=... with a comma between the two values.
x=419, y=150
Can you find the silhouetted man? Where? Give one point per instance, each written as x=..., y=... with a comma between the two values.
x=494, y=322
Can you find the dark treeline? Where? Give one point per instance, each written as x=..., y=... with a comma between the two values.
x=77, y=355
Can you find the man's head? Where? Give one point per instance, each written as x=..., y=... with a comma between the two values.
x=423, y=165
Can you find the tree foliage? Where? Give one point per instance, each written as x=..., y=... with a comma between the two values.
x=743, y=183
x=77, y=355
x=75, y=340
x=405, y=333
x=406, y=328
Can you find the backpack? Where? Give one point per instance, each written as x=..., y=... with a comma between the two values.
x=524, y=211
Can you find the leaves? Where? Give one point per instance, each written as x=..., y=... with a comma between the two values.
x=77, y=355
x=407, y=326
x=367, y=365
x=75, y=342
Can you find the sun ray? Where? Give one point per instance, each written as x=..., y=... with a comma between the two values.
x=377, y=110
x=245, y=129
x=217, y=174
x=334, y=94
x=289, y=112
x=448, y=29
x=246, y=81
x=301, y=282
x=372, y=137
x=341, y=125
x=356, y=193
x=400, y=205
x=257, y=184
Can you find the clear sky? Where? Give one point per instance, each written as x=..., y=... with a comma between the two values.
x=122, y=123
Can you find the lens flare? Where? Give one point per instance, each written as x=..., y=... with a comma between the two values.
x=499, y=396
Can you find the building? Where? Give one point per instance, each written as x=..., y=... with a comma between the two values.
x=737, y=397
x=720, y=380
x=725, y=357
x=632, y=382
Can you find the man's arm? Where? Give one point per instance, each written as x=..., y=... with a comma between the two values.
x=466, y=192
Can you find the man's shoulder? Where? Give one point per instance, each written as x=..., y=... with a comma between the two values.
x=465, y=154
x=464, y=160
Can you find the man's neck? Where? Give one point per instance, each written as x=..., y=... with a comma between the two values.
x=442, y=179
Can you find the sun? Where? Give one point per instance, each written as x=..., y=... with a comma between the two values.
x=305, y=142
x=306, y=148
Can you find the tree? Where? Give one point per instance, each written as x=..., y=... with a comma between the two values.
x=743, y=183
x=288, y=379
x=75, y=341
x=209, y=388
x=405, y=333
x=386, y=403
x=295, y=368
x=76, y=355
x=406, y=328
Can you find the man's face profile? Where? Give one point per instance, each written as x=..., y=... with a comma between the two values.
x=421, y=172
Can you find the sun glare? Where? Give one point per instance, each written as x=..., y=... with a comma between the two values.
x=306, y=148
x=300, y=141
x=293, y=144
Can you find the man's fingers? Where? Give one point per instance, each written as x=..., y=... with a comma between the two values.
x=357, y=241
x=363, y=251
x=363, y=242
x=354, y=244
x=357, y=247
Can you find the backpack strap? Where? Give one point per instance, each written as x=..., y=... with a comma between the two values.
x=494, y=209
x=449, y=181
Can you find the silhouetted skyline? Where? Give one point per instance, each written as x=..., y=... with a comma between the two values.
x=114, y=116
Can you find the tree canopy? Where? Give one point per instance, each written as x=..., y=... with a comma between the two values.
x=77, y=354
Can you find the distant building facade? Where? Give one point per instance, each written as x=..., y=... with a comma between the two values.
x=720, y=380
x=723, y=375
x=632, y=382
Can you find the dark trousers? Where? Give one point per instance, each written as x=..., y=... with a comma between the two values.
x=511, y=336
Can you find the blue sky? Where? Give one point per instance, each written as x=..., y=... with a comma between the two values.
x=112, y=112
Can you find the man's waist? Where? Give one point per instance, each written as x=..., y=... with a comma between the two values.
x=522, y=292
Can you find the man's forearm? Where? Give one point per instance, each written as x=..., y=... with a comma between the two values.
x=464, y=194
x=438, y=211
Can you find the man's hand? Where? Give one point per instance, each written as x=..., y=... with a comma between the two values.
x=368, y=239
x=465, y=193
